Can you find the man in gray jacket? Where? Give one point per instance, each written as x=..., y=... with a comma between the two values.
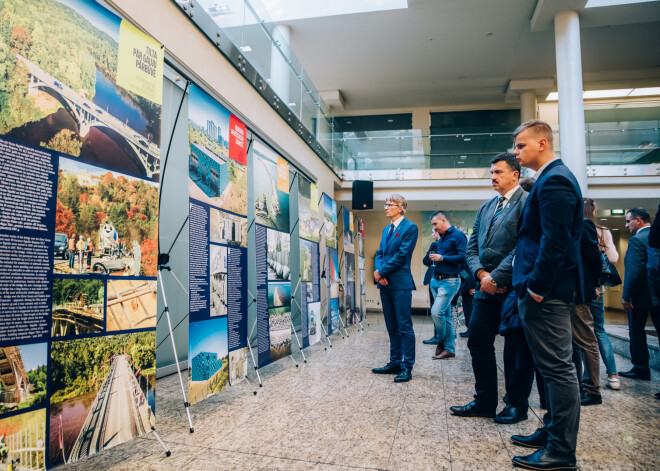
x=489, y=256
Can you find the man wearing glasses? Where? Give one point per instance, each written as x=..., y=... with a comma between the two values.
x=395, y=281
x=641, y=291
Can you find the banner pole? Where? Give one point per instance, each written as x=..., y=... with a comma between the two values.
x=164, y=258
x=167, y=451
x=256, y=368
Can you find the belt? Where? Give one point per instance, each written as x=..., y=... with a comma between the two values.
x=444, y=277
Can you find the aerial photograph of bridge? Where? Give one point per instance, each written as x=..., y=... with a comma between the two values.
x=75, y=106
x=110, y=399
x=22, y=376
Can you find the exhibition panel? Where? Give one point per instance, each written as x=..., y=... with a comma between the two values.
x=217, y=187
x=80, y=115
x=331, y=265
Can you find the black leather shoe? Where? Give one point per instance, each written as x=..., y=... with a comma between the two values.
x=536, y=440
x=404, y=376
x=473, y=409
x=588, y=399
x=387, y=370
x=657, y=395
x=463, y=334
x=544, y=460
x=511, y=415
x=634, y=374
x=431, y=341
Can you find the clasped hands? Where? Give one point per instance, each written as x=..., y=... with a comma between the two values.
x=379, y=279
x=488, y=285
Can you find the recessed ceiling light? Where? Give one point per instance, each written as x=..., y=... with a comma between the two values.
x=390, y=120
x=603, y=219
x=246, y=49
x=349, y=122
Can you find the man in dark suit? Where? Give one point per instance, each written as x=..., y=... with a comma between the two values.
x=641, y=291
x=547, y=276
x=489, y=255
x=428, y=276
x=396, y=285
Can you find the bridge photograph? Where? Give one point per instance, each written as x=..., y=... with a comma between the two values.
x=22, y=376
x=76, y=106
x=106, y=403
x=77, y=306
x=23, y=441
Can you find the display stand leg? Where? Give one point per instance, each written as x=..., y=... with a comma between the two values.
x=298, y=342
x=256, y=368
x=167, y=451
x=186, y=404
x=327, y=337
x=343, y=325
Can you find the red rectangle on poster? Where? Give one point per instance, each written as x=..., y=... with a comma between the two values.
x=237, y=140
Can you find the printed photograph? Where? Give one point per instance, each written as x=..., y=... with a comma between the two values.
x=309, y=292
x=314, y=322
x=208, y=370
x=310, y=220
x=108, y=221
x=349, y=235
x=23, y=377
x=228, y=229
x=279, y=294
x=102, y=393
x=271, y=205
x=23, y=439
x=218, y=286
x=306, y=260
x=349, y=264
x=278, y=250
x=238, y=363
x=333, y=321
x=330, y=221
x=77, y=306
x=74, y=104
x=333, y=267
x=217, y=163
x=279, y=319
x=131, y=304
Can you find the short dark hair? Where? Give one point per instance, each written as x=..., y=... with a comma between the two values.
x=641, y=213
x=509, y=159
x=439, y=213
x=538, y=127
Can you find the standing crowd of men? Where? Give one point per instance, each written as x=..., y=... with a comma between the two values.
x=538, y=258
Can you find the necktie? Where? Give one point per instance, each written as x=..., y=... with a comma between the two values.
x=498, y=211
x=389, y=233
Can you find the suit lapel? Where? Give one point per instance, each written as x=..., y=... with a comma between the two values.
x=488, y=217
x=507, y=209
x=395, y=233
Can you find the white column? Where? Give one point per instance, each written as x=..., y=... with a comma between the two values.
x=280, y=73
x=527, y=105
x=569, y=86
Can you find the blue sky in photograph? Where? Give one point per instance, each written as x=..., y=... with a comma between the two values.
x=202, y=107
x=34, y=355
x=209, y=336
x=97, y=15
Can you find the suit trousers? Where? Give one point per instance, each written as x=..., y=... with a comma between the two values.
x=585, y=348
x=548, y=330
x=397, y=310
x=639, y=351
x=484, y=326
x=518, y=369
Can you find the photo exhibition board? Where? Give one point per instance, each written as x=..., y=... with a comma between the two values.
x=331, y=267
x=310, y=223
x=362, y=286
x=461, y=220
x=273, y=248
x=217, y=190
x=348, y=275
x=80, y=124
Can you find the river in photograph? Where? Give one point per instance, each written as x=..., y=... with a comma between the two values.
x=73, y=412
x=108, y=98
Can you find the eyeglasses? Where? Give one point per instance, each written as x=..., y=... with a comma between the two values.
x=387, y=205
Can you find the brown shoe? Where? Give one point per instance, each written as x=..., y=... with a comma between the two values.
x=443, y=355
x=438, y=350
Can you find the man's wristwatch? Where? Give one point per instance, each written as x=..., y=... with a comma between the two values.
x=493, y=282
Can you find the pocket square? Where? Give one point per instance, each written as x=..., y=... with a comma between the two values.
x=396, y=235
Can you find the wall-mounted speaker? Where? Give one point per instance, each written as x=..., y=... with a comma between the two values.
x=363, y=194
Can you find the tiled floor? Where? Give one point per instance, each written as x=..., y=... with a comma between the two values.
x=332, y=413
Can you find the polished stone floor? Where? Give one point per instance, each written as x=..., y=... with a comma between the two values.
x=332, y=413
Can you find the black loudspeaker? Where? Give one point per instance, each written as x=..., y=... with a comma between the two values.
x=363, y=194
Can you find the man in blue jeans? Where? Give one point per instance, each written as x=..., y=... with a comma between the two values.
x=446, y=281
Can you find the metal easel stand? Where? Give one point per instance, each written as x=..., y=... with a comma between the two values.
x=256, y=368
x=163, y=264
x=167, y=451
x=293, y=327
x=324, y=304
x=340, y=319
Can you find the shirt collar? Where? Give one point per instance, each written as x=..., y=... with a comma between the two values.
x=641, y=229
x=509, y=194
x=398, y=221
x=540, y=171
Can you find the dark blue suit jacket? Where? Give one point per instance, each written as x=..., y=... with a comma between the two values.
x=549, y=233
x=641, y=285
x=393, y=256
